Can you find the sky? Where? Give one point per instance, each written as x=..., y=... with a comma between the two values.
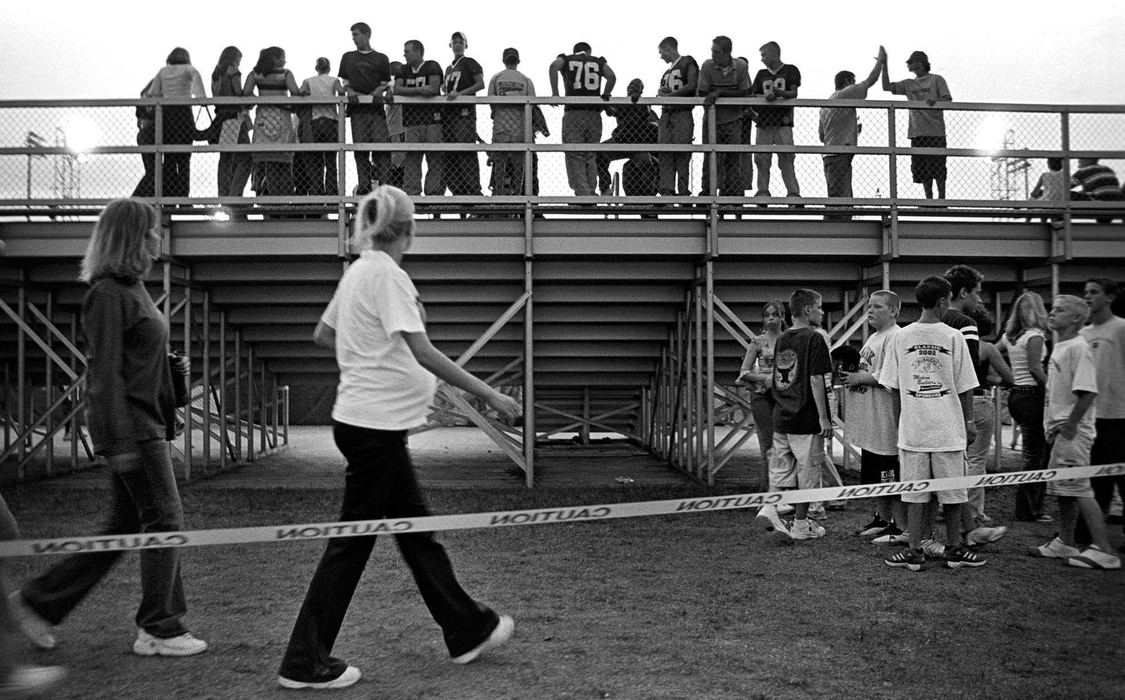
x=1031, y=51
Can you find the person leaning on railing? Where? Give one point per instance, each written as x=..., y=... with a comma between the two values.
x=179, y=80
x=226, y=81
x=273, y=123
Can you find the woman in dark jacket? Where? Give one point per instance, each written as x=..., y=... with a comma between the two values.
x=130, y=396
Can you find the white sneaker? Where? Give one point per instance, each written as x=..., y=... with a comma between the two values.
x=34, y=627
x=349, y=677
x=1055, y=549
x=933, y=549
x=500, y=634
x=806, y=530
x=1094, y=558
x=31, y=680
x=983, y=534
x=768, y=521
x=183, y=645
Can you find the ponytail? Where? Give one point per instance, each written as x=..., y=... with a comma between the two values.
x=384, y=216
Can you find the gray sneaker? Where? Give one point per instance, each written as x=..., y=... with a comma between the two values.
x=770, y=523
x=181, y=645
x=34, y=627
x=349, y=677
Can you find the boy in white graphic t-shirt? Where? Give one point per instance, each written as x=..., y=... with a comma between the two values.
x=931, y=377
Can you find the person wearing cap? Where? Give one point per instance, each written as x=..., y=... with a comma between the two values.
x=677, y=125
x=509, y=125
x=420, y=78
x=926, y=127
x=459, y=122
x=777, y=81
x=583, y=74
x=839, y=127
x=320, y=167
x=365, y=75
x=635, y=124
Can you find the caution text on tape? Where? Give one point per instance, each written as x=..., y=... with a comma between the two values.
x=509, y=518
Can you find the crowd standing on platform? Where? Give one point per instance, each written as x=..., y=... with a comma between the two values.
x=366, y=77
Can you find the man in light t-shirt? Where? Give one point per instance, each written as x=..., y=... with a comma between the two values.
x=839, y=127
x=931, y=378
x=1068, y=421
x=870, y=422
x=926, y=128
x=509, y=125
x=1106, y=336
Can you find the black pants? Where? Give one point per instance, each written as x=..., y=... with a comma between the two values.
x=1025, y=403
x=379, y=483
x=1109, y=448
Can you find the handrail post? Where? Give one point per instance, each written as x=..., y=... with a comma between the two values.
x=158, y=157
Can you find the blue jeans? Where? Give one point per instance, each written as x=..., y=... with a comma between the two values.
x=379, y=483
x=145, y=499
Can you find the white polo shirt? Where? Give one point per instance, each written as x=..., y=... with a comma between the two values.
x=382, y=386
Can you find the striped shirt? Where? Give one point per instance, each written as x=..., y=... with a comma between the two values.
x=1098, y=182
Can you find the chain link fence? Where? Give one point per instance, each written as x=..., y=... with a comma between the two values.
x=89, y=151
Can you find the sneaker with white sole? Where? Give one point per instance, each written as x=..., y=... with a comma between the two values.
x=500, y=634
x=875, y=527
x=768, y=521
x=349, y=677
x=933, y=549
x=1094, y=558
x=817, y=512
x=806, y=530
x=960, y=555
x=181, y=645
x=910, y=559
x=1055, y=549
x=892, y=535
x=34, y=627
x=983, y=535
x=24, y=681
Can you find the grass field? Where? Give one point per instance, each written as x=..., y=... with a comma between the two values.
x=691, y=606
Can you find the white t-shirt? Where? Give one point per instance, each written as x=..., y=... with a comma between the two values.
x=838, y=125
x=1107, y=341
x=1071, y=369
x=869, y=410
x=508, y=120
x=929, y=364
x=382, y=386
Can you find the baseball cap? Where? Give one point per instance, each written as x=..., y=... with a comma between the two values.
x=919, y=56
x=461, y=36
x=510, y=55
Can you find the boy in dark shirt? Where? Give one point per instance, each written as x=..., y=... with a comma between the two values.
x=801, y=419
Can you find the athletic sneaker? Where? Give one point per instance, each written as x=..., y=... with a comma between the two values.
x=983, y=535
x=34, y=627
x=933, y=549
x=500, y=634
x=960, y=555
x=1055, y=549
x=818, y=512
x=24, y=681
x=875, y=527
x=182, y=645
x=892, y=535
x=806, y=530
x=769, y=522
x=350, y=676
x=911, y=559
x=1094, y=558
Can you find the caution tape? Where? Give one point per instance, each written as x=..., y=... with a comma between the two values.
x=537, y=516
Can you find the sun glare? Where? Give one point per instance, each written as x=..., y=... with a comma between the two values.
x=991, y=133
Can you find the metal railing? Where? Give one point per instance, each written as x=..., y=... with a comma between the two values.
x=995, y=153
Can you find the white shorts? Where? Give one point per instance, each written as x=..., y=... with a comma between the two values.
x=916, y=466
x=1070, y=453
x=791, y=465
